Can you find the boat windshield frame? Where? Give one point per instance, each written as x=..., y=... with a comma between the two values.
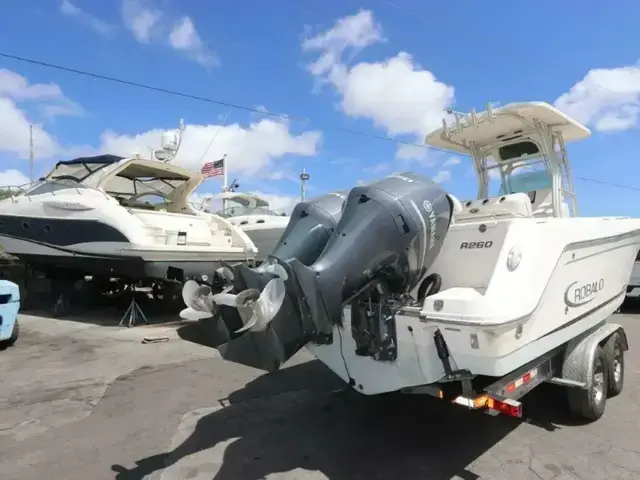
x=241, y=210
x=532, y=142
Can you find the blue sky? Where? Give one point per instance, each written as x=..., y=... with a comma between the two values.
x=384, y=68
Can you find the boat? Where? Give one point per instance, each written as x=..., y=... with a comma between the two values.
x=479, y=300
x=107, y=215
x=252, y=214
x=634, y=280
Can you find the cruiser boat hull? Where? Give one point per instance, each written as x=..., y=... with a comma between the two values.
x=265, y=237
x=251, y=213
x=71, y=223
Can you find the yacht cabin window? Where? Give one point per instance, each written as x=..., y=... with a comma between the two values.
x=72, y=173
x=137, y=182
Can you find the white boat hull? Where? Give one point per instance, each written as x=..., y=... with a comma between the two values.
x=507, y=318
x=86, y=230
x=265, y=239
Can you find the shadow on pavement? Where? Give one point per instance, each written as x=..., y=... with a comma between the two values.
x=278, y=427
x=631, y=305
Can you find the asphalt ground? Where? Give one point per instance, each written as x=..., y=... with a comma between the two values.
x=88, y=401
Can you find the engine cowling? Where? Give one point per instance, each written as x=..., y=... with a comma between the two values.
x=311, y=226
x=389, y=234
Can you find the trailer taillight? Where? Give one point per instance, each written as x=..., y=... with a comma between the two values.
x=509, y=407
x=523, y=380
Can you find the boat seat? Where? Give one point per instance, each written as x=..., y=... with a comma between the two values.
x=515, y=205
x=542, y=203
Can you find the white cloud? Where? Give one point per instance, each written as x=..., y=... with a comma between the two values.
x=49, y=96
x=606, y=99
x=185, y=38
x=280, y=203
x=451, y=161
x=149, y=24
x=141, y=19
x=13, y=178
x=14, y=126
x=398, y=94
x=100, y=26
x=255, y=150
x=411, y=152
x=377, y=168
x=352, y=33
x=442, y=176
x=251, y=151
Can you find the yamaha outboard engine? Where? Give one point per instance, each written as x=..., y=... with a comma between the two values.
x=312, y=224
x=388, y=236
x=306, y=235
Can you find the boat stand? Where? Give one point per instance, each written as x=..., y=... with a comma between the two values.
x=63, y=292
x=62, y=306
x=134, y=314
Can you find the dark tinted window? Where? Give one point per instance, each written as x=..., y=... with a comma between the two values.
x=516, y=150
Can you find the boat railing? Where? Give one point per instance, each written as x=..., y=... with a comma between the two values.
x=27, y=190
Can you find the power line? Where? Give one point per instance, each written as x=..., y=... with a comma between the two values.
x=189, y=96
x=609, y=184
x=248, y=109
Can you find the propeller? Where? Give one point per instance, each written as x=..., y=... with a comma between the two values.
x=226, y=272
x=278, y=270
x=199, y=301
x=256, y=308
x=194, y=315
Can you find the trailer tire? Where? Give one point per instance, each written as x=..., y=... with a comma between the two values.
x=614, y=353
x=590, y=403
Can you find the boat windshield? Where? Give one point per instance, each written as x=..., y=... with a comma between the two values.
x=72, y=173
x=238, y=210
x=136, y=181
x=525, y=180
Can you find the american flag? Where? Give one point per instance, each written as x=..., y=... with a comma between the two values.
x=213, y=169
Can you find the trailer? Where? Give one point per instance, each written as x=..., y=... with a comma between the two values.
x=590, y=366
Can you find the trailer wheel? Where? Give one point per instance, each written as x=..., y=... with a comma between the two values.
x=614, y=353
x=590, y=403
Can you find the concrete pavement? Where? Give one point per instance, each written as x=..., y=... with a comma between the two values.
x=80, y=401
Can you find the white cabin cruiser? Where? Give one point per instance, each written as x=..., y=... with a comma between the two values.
x=251, y=213
x=476, y=301
x=89, y=215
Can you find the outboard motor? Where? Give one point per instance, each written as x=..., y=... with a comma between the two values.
x=312, y=224
x=388, y=236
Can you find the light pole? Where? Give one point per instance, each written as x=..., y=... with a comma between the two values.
x=304, y=176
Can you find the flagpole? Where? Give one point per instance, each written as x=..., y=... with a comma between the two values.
x=225, y=180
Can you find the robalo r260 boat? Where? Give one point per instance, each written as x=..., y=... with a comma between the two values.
x=478, y=301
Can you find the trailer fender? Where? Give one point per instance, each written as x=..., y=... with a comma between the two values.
x=578, y=359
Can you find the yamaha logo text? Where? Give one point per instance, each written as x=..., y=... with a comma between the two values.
x=576, y=294
x=432, y=222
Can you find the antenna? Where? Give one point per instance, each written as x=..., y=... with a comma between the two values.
x=233, y=186
x=170, y=144
x=304, y=177
x=31, y=153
